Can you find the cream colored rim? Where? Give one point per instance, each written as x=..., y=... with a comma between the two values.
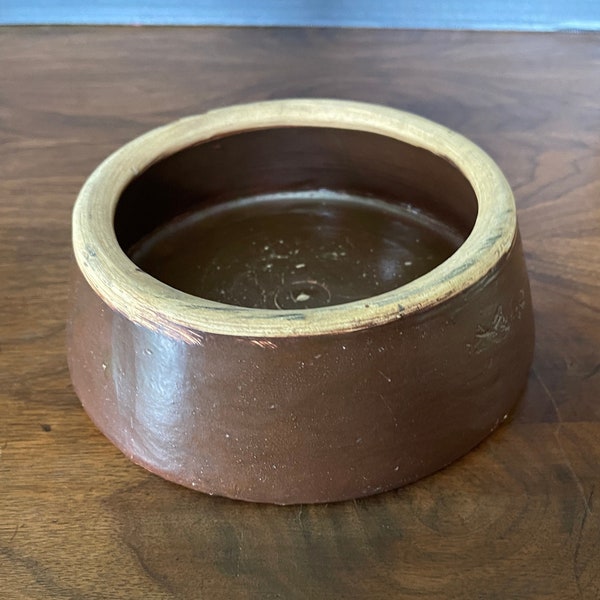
x=150, y=303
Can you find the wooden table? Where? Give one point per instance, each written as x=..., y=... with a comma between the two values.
x=519, y=517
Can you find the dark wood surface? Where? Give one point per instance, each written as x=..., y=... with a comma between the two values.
x=519, y=517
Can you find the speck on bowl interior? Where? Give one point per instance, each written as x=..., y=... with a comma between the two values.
x=298, y=300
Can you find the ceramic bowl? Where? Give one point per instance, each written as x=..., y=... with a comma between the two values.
x=299, y=300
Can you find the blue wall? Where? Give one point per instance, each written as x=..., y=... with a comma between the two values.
x=529, y=15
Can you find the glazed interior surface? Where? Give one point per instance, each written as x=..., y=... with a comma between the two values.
x=298, y=217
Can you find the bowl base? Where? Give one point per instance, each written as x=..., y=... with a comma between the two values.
x=295, y=250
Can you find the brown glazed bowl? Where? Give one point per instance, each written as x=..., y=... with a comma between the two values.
x=299, y=300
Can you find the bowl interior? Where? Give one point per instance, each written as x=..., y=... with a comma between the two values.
x=294, y=217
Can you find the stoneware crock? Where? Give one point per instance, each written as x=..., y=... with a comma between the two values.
x=298, y=300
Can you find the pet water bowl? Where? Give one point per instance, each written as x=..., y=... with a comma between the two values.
x=298, y=300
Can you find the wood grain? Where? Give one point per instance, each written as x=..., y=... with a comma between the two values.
x=517, y=518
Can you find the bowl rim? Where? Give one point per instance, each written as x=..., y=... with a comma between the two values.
x=155, y=305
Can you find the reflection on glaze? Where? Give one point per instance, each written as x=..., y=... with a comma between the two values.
x=152, y=400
